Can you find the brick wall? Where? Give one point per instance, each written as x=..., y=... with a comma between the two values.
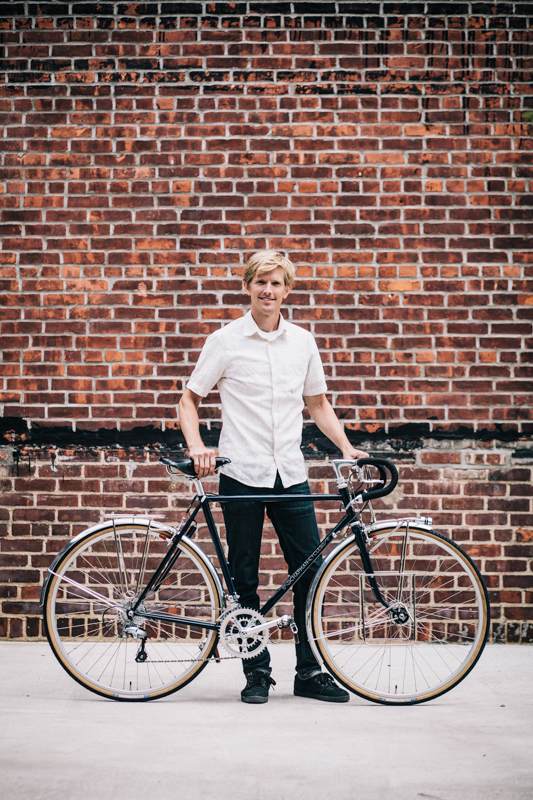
x=478, y=495
x=148, y=148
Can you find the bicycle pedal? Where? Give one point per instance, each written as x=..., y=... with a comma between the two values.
x=294, y=629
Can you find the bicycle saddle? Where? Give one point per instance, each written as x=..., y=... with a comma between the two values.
x=186, y=465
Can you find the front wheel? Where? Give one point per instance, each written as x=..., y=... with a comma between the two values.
x=94, y=583
x=429, y=637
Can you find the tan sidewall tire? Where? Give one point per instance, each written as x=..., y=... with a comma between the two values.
x=421, y=697
x=55, y=643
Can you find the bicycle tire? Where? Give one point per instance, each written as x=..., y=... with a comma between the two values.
x=445, y=611
x=85, y=620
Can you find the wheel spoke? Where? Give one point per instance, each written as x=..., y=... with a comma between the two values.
x=90, y=593
x=86, y=589
x=427, y=640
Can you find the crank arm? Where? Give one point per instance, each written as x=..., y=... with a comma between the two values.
x=280, y=622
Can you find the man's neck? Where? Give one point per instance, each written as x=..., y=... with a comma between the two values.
x=268, y=323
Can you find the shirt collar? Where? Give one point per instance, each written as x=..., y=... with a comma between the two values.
x=251, y=328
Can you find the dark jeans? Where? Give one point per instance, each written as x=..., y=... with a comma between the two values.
x=295, y=525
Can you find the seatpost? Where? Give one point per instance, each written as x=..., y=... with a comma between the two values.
x=200, y=491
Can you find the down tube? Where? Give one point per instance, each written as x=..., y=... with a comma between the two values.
x=295, y=577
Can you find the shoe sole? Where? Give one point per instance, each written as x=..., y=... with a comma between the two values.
x=254, y=700
x=321, y=697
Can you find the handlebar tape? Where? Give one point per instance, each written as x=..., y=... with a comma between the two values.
x=382, y=464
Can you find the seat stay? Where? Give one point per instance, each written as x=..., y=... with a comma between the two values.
x=166, y=564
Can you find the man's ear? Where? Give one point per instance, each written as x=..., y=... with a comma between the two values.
x=245, y=287
x=287, y=291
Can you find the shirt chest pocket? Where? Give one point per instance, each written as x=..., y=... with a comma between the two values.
x=290, y=376
x=279, y=375
x=249, y=376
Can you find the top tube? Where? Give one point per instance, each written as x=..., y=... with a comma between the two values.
x=387, y=472
x=271, y=498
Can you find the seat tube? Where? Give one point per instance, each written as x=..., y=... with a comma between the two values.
x=218, y=546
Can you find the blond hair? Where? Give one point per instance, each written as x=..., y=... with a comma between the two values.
x=267, y=260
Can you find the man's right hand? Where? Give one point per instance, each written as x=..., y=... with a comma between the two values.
x=204, y=460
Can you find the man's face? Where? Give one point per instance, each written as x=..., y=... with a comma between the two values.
x=267, y=292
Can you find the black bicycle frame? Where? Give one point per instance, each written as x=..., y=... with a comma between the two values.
x=168, y=561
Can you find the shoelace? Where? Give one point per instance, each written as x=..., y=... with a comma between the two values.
x=323, y=678
x=260, y=679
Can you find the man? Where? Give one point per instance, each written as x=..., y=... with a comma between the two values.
x=265, y=369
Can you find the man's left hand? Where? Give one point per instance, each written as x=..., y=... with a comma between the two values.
x=352, y=453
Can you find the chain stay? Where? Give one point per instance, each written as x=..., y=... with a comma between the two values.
x=145, y=660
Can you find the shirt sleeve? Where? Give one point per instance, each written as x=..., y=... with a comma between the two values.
x=210, y=367
x=315, y=381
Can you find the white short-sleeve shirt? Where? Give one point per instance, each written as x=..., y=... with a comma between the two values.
x=262, y=379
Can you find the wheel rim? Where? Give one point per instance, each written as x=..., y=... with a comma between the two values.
x=442, y=622
x=86, y=617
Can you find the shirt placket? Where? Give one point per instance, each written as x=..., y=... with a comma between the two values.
x=273, y=359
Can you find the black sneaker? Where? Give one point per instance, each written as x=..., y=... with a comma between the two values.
x=320, y=687
x=257, y=686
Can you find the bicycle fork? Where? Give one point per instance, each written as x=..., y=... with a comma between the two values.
x=367, y=564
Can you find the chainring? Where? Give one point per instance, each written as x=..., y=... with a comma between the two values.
x=233, y=632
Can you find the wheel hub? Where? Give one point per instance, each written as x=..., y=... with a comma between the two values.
x=400, y=615
x=129, y=624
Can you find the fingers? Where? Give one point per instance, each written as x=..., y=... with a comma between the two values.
x=204, y=461
x=354, y=454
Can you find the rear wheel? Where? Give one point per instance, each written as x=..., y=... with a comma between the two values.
x=97, y=580
x=428, y=639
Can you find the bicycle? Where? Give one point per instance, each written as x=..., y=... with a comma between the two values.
x=397, y=613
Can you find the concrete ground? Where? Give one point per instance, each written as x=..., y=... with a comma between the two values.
x=58, y=740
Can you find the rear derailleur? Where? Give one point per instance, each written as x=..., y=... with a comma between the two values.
x=139, y=634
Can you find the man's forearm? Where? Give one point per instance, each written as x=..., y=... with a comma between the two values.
x=329, y=424
x=202, y=456
x=190, y=423
x=325, y=418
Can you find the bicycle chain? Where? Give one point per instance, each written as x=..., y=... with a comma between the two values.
x=196, y=660
x=189, y=660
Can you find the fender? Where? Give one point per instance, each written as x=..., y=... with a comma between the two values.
x=133, y=520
